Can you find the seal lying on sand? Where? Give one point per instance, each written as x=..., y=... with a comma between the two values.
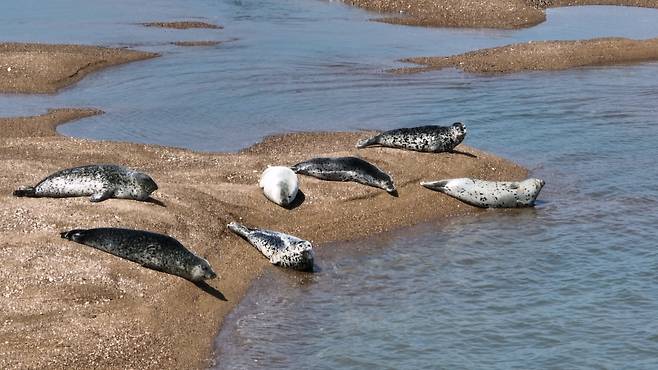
x=155, y=251
x=435, y=139
x=346, y=169
x=282, y=249
x=490, y=194
x=279, y=185
x=100, y=181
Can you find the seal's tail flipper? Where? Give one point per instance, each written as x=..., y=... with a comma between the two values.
x=73, y=235
x=25, y=191
x=239, y=229
x=367, y=142
x=435, y=185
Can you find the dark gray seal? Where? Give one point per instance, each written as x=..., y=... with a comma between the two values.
x=346, y=169
x=434, y=139
x=99, y=181
x=155, y=251
x=490, y=194
x=281, y=249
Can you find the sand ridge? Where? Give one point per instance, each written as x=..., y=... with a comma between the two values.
x=44, y=68
x=543, y=55
x=502, y=14
x=183, y=25
x=65, y=304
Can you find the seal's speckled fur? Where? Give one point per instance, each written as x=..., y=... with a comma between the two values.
x=155, y=251
x=346, y=169
x=100, y=181
x=490, y=194
x=435, y=139
x=281, y=249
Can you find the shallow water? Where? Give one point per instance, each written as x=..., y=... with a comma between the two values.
x=570, y=284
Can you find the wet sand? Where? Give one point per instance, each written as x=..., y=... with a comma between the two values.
x=196, y=43
x=503, y=14
x=42, y=68
x=182, y=25
x=67, y=305
x=543, y=55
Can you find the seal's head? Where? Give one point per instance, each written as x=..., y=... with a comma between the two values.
x=285, y=196
x=298, y=255
x=76, y=235
x=530, y=189
x=387, y=184
x=201, y=271
x=145, y=182
x=459, y=131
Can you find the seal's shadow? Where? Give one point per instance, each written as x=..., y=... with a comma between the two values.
x=299, y=199
x=210, y=290
x=464, y=153
x=155, y=201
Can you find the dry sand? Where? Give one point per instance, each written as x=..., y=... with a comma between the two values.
x=543, y=55
x=41, y=68
x=507, y=14
x=66, y=305
x=182, y=25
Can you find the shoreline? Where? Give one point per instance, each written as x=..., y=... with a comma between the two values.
x=83, y=307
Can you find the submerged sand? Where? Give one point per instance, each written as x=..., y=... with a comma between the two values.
x=543, y=55
x=67, y=305
x=504, y=14
x=183, y=25
x=42, y=68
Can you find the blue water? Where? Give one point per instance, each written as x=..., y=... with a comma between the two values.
x=569, y=284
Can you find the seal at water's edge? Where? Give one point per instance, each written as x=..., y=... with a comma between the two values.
x=99, y=181
x=490, y=194
x=434, y=139
x=346, y=169
x=281, y=249
x=155, y=251
x=280, y=185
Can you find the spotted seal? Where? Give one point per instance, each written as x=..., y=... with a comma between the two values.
x=155, y=251
x=490, y=194
x=280, y=185
x=435, y=139
x=99, y=181
x=346, y=169
x=281, y=249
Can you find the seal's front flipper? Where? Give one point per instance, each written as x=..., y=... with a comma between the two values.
x=101, y=196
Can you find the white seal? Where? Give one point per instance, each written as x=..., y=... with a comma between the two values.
x=490, y=194
x=280, y=185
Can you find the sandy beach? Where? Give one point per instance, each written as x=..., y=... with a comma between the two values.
x=67, y=304
x=503, y=14
x=44, y=68
x=543, y=55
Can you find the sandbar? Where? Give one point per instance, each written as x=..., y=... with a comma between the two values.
x=543, y=55
x=66, y=305
x=46, y=68
x=182, y=25
x=501, y=14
